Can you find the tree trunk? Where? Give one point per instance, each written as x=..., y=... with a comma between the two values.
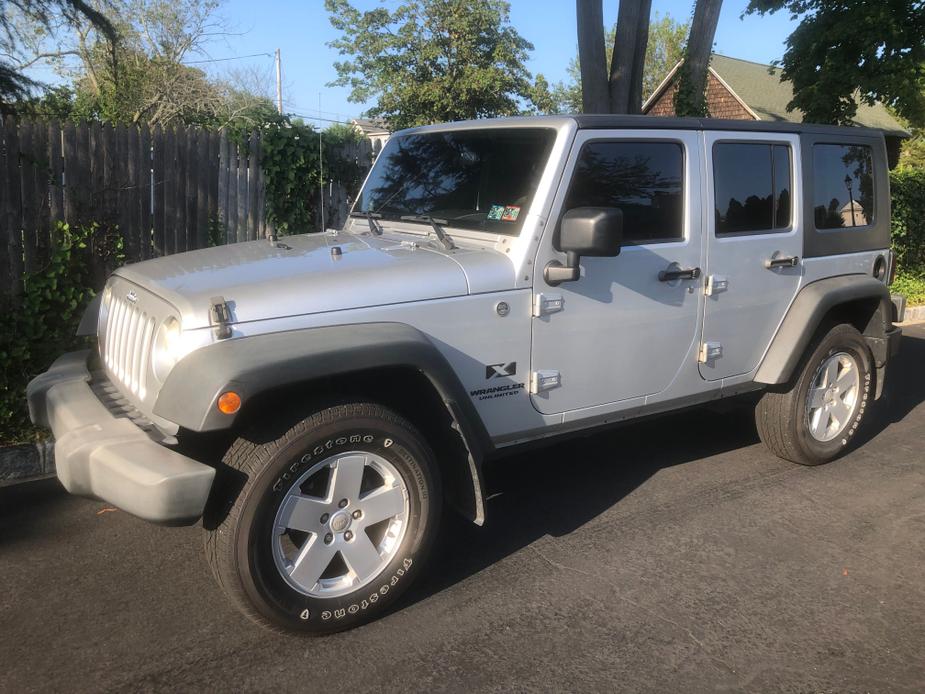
x=690, y=98
x=591, y=57
x=629, y=53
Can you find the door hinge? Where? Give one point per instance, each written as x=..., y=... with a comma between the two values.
x=544, y=304
x=541, y=381
x=710, y=351
x=715, y=284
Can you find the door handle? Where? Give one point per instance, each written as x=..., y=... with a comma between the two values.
x=672, y=275
x=785, y=261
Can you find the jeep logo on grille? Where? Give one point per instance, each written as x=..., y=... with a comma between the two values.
x=132, y=297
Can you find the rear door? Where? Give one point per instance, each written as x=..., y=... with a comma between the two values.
x=754, y=241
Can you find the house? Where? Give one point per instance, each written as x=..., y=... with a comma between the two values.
x=743, y=90
x=373, y=129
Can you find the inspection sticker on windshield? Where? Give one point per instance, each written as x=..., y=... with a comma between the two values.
x=495, y=212
x=511, y=212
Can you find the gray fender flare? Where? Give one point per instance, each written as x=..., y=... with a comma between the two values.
x=252, y=365
x=806, y=313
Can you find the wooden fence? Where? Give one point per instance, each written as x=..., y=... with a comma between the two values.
x=162, y=190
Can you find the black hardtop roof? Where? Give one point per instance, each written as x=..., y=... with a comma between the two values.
x=599, y=121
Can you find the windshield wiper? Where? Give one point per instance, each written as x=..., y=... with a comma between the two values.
x=374, y=227
x=435, y=224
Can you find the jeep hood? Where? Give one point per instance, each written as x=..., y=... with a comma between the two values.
x=306, y=274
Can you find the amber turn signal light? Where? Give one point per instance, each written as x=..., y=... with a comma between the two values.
x=229, y=402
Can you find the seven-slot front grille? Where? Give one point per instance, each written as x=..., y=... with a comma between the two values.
x=127, y=344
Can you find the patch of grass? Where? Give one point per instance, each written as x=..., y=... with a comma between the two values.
x=912, y=285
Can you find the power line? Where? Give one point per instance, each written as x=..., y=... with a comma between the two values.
x=237, y=57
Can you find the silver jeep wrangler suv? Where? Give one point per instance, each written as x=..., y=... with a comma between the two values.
x=316, y=399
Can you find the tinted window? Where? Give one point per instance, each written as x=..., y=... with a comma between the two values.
x=751, y=187
x=843, y=186
x=480, y=179
x=643, y=179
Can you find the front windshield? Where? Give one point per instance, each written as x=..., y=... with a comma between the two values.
x=474, y=179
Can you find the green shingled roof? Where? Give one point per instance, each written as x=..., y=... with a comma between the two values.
x=761, y=88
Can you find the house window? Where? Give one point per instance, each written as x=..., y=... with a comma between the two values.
x=843, y=186
x=643, y=179
x=752, y=187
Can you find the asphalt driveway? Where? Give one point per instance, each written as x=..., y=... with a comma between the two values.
x=673, y=555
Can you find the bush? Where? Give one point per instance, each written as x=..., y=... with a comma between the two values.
x=907, y=188
x=43, y=327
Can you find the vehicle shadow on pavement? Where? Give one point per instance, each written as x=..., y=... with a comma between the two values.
x=556, y=490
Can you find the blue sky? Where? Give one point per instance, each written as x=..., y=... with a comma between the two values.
x=301, y=30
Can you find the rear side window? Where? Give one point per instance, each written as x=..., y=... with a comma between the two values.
x=752, y=187
x=843, y=186
x=643, y=179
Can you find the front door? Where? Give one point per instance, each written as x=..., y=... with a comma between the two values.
x=753, y=249
x=625, y=327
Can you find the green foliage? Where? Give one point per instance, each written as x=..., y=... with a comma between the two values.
x=43, y=327
x=293, y=176
x=667, y=39
x=873, y=50
x=434, y=60
x=907, y=189
x=910, y=286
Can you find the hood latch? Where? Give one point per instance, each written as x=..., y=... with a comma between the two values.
x=220, y=317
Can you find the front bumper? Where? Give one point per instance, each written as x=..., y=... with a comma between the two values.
x=102, y=455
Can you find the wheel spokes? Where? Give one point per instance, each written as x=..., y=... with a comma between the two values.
x=817, y=398
x=831, y=372
x=314, y=557
x=361, y=556
x=346, y=477
x=840, y=412
x=300, y=512
x=385, y=502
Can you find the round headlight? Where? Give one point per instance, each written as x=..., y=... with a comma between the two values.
x=166, y=348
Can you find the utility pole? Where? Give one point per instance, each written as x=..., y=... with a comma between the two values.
x=279, y=83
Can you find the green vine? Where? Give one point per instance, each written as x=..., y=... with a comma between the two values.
x=44, y=325
x=293, y=176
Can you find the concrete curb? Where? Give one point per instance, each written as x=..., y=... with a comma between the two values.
x=914, y=314
x=26, y=461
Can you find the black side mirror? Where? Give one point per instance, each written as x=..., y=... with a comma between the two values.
x=592, y=231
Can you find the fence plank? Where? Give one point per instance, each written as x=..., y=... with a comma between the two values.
x=27, y=222
x=253, y=166
x=192, y=187
x=170, y=191
x=130, y=221
x=231, y=205
x=7, y=278
x=242, y=194
x=214, y=175
x=40, y=174
x=203, y=174
x=83, y=176
x=14, y=208
x=159, y=139
x=144, y=191
x=56, y=192
x=180, y=230
x=69, y=163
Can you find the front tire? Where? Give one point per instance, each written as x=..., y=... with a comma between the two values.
x=334, y=521
x=815, y=419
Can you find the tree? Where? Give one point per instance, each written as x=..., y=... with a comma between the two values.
x=667, y=38
x=21, y=21
x=629, y=53
x=433, y=60
x=690, y=97
x=842, y=51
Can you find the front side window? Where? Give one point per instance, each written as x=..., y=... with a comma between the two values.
x=645, y=180
x=843, y=186
x=474, y=179
x=752, y=187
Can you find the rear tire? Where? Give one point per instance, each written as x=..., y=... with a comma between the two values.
x=334, y=521
x=815, y=419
